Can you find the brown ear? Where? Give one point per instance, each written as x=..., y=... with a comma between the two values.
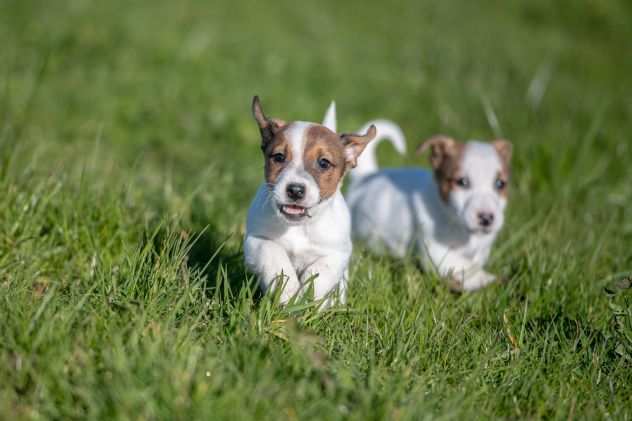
x=354, y=144
x=440, y=147
x=267, y=126
x=504, y=149
x=278, y=123
x=258, y=114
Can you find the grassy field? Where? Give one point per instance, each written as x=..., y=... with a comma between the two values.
x=128, y=157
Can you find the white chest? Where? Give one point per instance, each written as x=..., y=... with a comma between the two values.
x=296, y=241
x=477, y=248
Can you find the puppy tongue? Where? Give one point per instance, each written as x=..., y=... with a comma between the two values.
x=293, y=210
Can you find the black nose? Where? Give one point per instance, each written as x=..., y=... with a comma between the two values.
x=485, y=219
x=295, y=191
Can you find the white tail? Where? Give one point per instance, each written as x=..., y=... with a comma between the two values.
x=367, y=162
x=386, y=129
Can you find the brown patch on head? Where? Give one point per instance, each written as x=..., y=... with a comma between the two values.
x=324, y=159
x=273, y=142
x=446, y=156
x=275, y=149
x=327, y=155
x=504, y=149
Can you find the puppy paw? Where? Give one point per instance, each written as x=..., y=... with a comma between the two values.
x=487, y=278
x=478, y=280
x=454, y=284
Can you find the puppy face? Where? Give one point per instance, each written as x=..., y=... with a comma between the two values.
x=472, y=179
x=304, y=162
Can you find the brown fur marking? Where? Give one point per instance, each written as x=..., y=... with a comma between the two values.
x=268, y=127
x=320, y=143
x=449, y=170
x=445, y=157
x=355, y=143
x=504, y=149
x=278, y=144
x=273, y=141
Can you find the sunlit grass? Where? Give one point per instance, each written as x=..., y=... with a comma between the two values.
x=128, y=158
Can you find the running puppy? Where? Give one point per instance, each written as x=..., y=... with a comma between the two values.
x=449, y=216
x=299, y=226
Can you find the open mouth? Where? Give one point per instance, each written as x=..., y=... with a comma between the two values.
x=480, y=230
x=293, y=212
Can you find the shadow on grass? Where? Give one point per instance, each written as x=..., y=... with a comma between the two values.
x=222, y=265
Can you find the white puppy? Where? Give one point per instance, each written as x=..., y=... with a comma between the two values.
x=448, y=217
x=299, y=226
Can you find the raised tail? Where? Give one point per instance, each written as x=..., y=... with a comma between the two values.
x=367, y=162
x=386, y=129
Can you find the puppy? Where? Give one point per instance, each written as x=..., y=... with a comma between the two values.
x=299, y=226
x=448, y=217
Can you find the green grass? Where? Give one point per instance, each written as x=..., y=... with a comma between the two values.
x=128, y=157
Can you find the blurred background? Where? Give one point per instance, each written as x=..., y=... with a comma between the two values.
x=153, y=97
x=126, y=133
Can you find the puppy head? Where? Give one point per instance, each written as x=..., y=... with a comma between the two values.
x=304, y=162
x=472, y=179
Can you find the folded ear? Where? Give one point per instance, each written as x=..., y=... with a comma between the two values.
x=354, y=144
x=440, y=146
x=267, y=126
x=504, y=149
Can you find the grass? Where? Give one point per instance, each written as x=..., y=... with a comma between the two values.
x=128, y=158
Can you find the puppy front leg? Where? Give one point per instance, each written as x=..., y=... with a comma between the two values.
x=464, y=275
x=269, y=260
x=331, y=274
x=461, y=274
x=477, y=279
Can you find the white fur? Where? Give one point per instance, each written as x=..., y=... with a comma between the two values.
x=386, y=129
x=317, y=245
x=481, y=164
x=295, y=171
x=330, y=117
x=400, y=211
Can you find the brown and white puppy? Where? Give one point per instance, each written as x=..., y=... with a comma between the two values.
x=449, y=217
x=299, y=226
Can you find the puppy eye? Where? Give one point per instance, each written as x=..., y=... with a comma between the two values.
x=324, y=164
x=500, y=184
x=463, y=182
x=278, y=157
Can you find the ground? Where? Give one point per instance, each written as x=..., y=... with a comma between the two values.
x=128, y=157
